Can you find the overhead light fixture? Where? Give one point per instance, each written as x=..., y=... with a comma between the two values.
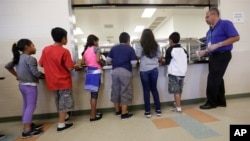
x=78, y=31
x=148, y=12
x=76, y=41
x=139, y=28
x=84, y=40
x=72, y=19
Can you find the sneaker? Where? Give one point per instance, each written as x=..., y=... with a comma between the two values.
x=2, y=136
x=96, y=118
x=118, y=113
x=147, y=114
x=126, y=116
x=158, y=113
x=67, y=126
x=99, y=114
x=36, y=126
x=31, y=133
x=174, y=105
x=175, y=110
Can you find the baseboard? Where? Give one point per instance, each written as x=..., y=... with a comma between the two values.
x=106, y=110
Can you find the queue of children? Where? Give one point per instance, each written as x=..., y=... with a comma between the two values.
x=58, y=64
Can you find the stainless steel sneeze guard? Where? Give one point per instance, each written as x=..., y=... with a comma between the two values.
x=83, y=3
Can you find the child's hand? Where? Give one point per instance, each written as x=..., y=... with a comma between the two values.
x=77, y=67
x=42, y=76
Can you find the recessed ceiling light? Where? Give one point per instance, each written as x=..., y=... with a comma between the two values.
x=148, y=12
x=139, y=28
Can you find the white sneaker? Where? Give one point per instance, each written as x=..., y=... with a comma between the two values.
x=158, y=113
x=147, y=115
x=175, y=110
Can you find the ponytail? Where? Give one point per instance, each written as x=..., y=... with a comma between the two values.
x=90, y=42
x=16, y=53
x=17, y=47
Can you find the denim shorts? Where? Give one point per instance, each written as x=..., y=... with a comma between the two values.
x=64, y=100
x=175, y=84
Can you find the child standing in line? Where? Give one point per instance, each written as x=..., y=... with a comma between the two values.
x=91, y=58
x=149, y=54
x=27, y=74
x=122, y=57
x=57, y=63
x=176, y=60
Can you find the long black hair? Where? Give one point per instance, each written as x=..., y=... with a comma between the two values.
x=19, y=46
x=90, y=42
x=149, y=43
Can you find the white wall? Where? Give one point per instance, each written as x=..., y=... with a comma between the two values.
x=31, y=19
x=189, y=25
x=165, y=29
x=237, y=77
x=34, y=19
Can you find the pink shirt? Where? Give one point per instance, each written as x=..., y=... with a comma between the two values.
x=90, y=58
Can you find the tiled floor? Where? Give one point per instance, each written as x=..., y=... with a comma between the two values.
x=191, y=125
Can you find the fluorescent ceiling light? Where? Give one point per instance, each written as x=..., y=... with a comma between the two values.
x=78, y=31
x=139, y=28
x=148, y=12
x=76, y=41
x=72, y=19
x=84, y=40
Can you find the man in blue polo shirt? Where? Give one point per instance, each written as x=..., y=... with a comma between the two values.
x=122, y=57
x=220, y=38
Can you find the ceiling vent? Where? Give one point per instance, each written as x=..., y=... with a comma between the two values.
x=156, y=22
x=108, y=26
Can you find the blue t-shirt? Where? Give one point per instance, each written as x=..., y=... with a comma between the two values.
x=122, y=55
x=223, y=30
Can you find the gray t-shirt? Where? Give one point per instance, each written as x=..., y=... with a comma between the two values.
x=147, y=63
x=26, y=69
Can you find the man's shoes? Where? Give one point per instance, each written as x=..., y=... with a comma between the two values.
x=36, y=126
x=2, y=136
x=67, y=126
x=126, y=116
x=31, y=133
x=96, y=118
x=222, y=105
x=207, y=106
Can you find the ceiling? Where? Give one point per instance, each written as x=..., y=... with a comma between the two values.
x=108, y=18
x=108, y=22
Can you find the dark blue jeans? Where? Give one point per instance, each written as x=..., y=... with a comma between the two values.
x=149, y=83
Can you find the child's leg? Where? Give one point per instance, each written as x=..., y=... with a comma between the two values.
x=30, y=97
x=177, y=98
x=93, y=103
x=153, y=87
x=124, y=108
x=145, y=80
x=117, y=107
x=62, y=116
x=64, y=102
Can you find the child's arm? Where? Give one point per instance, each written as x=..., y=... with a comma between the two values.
x=99, y=60
x=12, y=71
x=33, y=67
x=10, y=67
